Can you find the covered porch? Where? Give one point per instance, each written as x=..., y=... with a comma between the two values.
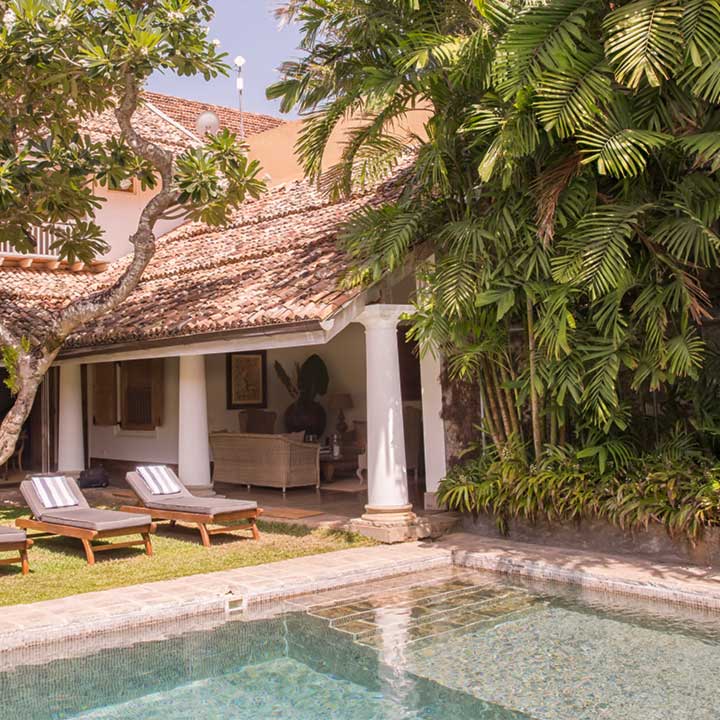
x=382, y=404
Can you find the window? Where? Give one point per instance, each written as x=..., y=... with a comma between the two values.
x=129, y=394
x=141, y=394
x=105, y=410
x=127, y=185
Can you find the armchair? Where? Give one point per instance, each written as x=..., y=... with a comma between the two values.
x=264, y=460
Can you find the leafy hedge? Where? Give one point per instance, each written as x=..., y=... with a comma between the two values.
x=677, y=487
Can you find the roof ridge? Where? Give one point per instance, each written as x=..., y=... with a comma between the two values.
x=216, y=105
x=172, y=122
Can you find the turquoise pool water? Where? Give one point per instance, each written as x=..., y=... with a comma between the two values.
x=440, y=646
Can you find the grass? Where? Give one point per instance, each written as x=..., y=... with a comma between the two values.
x=58, y=567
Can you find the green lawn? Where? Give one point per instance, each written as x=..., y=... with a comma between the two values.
x=58, y=567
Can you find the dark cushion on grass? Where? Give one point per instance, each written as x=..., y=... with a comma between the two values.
x=11, y=535
x=95, y=519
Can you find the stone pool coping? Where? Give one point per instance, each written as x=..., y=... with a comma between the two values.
x=216, y=594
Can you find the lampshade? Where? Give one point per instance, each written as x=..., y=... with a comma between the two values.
x=341, y=401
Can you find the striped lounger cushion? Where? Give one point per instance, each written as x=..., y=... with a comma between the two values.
x=54, y=492
x=159, y=480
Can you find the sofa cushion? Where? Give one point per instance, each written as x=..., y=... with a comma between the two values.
x=93, y=519
x=159, y=479
x=201, y=506
x=53, y=491
x=11, y=535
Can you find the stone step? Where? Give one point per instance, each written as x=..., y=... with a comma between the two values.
x=427, y=609
x=453, y=622
x=362, y=603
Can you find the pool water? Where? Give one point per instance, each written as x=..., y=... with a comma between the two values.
x=444, y=645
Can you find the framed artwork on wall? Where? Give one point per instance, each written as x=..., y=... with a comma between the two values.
x=246, y=380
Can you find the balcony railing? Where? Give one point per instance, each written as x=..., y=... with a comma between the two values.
x=43, y=238
x=42, y=256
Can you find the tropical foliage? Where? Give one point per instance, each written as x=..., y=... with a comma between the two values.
x=676, y=486
x=566, y=184
x=62, y=62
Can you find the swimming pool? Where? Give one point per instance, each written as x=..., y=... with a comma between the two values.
x=451, y=644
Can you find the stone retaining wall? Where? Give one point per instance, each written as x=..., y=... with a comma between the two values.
x=601, y=536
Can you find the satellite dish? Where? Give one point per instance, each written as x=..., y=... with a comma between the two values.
x=207, y=123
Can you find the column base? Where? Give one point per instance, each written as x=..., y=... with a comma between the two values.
x=395, y=515
x=387, y=524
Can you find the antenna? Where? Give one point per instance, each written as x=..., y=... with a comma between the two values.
x=240, y=84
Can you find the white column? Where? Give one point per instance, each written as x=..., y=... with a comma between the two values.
x=71, y=447
x=193, y=440
x=387, y=470
x=433, y=426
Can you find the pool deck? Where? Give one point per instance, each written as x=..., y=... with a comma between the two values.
x=241, y=589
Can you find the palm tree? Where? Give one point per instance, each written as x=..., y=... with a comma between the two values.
x=567, y=183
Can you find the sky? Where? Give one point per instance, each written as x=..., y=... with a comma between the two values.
x=247, y=28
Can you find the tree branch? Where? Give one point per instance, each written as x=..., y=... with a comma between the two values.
x=7, y=336
x=143, y=239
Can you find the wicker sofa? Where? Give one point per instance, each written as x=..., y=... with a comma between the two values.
x=267, y=460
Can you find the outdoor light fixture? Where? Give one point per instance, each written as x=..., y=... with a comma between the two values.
x=240, y=85
x=207, y=124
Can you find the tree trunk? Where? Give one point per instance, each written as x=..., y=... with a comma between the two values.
x=501, y=401
x=29, y=373
x=492, y=430
x=534, y=403
x=512, y=405
x=494, y=411
x=34, y=361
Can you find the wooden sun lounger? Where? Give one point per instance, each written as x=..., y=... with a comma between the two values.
x=77, y=523
x=202, y=521
x=241, y=519
x=88, y=536
x=14, y=544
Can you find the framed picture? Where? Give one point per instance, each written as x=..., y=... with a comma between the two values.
x=246, y=380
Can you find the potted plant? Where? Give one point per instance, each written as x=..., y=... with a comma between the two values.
x=305, y=413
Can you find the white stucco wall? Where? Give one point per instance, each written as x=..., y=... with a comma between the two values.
x=119, y=215
x=345, y=360
x=159, y=446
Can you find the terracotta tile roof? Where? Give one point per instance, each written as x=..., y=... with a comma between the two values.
x=179, y=133
x=277, y=263
x=186, y=112
x=148, y=123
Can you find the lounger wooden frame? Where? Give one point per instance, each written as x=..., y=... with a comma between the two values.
x=88, y=536
x=22, y=548
x=202, y=520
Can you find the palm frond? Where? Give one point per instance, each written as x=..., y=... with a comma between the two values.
x=699, y=26
x=569, y=97
x=596, y=250
x=644, y=41
x=615, y=146
x=706, y=148
x=542, y=37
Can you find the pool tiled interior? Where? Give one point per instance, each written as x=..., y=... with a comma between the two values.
x=438, y=645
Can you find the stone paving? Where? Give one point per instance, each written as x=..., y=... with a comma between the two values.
x=95, y=613
x=149, y=603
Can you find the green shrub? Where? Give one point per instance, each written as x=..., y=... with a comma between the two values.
x=676, y=486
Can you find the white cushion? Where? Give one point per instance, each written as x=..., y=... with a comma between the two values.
x=159, y=480
x=54, y=492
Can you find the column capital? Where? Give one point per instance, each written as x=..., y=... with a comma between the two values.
x=383, y=316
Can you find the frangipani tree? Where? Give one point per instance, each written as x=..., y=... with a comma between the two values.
x=61, y=62
x=568, y=186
